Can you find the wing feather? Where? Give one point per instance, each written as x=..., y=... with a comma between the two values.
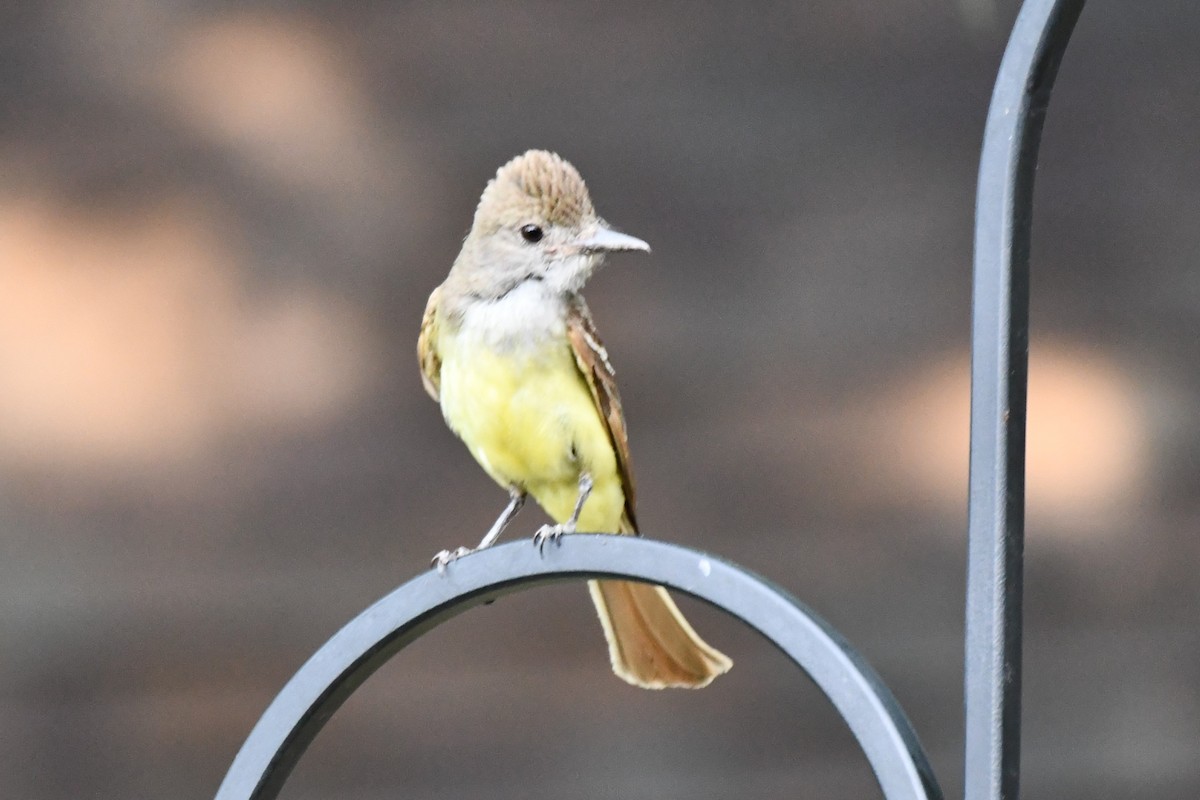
x=427, y=352
x=593, y=363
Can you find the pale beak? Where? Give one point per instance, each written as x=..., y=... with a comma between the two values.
x=606, y=240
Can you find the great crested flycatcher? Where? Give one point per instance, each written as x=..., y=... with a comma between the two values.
x=509, y=350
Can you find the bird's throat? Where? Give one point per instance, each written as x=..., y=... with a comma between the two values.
x=523, y=318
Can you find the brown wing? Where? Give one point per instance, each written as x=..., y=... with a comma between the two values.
x=592, y=359
x=427, y=352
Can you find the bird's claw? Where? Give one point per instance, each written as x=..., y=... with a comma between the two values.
x=550, y=533
x=445, y=557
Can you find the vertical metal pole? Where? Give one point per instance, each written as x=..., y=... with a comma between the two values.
x=999, y=362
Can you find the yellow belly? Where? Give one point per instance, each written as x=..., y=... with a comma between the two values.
x=530, y=421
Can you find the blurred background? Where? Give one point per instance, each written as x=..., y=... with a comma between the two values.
x=219, y=223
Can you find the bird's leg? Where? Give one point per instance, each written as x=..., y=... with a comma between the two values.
x=555, y=532
x=517, y=499
x=585, y=490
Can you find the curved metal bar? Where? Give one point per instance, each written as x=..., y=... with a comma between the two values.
x=361, y=647
x=999, y=364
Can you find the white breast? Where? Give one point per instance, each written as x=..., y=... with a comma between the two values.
x=527, y=315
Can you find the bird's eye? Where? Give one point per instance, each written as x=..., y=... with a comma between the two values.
x=531, y=233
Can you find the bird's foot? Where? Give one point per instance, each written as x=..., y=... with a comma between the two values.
x=446, y=557
x=551, y=533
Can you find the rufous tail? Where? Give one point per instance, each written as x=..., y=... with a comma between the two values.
x=650, y=643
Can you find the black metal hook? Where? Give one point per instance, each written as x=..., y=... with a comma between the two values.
x=361, y=647
x=999, y=366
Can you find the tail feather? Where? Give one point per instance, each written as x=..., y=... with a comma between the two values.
x=649, y=641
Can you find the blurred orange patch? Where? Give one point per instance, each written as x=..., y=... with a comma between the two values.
x=127, y=337
x=1087, y=452
x=275, y=90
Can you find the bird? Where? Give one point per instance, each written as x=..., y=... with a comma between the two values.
x=509, y=350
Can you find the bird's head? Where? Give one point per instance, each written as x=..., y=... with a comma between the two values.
x=535, y=221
